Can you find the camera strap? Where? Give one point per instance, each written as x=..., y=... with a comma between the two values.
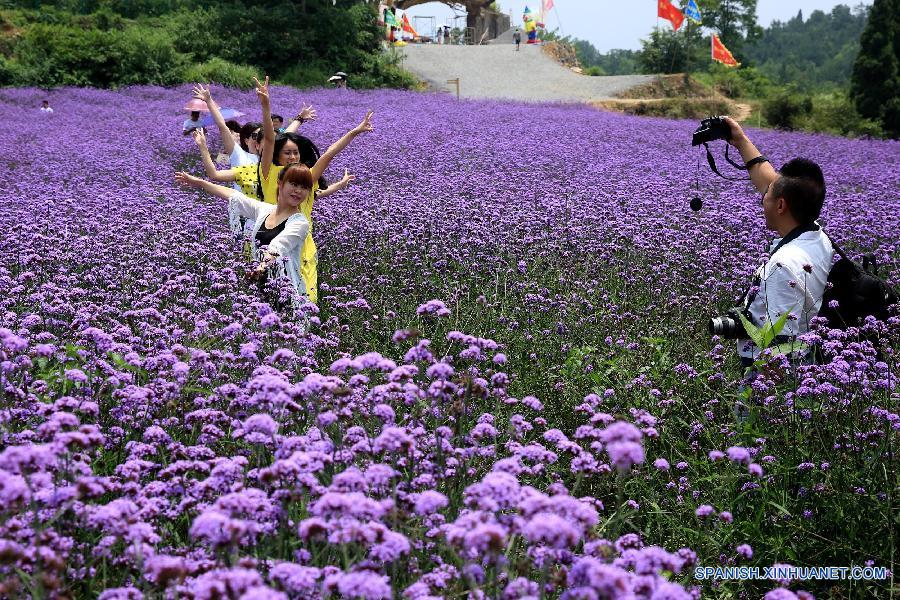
x=747, y=298
x=715, y=169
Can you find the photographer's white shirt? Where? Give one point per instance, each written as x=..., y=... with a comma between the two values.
x=792, y=281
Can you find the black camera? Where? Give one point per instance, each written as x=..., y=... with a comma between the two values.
x=713, y=128
x=729, y=325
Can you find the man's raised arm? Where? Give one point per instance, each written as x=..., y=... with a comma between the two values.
x=762, y=173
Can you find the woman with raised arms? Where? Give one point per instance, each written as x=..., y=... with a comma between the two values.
x=271, y=165
x=303, y=272
x=244, y=155
x=280, y=229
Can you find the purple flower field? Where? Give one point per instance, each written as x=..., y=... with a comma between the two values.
x=506, y=391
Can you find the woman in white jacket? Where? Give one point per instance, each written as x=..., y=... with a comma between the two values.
x=279, y=229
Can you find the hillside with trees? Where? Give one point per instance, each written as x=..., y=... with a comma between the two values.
x=110, y=43
x=811, y=53
x=876, y=74
x=795, y=74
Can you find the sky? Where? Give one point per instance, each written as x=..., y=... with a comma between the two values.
x=609, y=24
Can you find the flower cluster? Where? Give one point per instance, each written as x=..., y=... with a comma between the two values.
x=496, y=396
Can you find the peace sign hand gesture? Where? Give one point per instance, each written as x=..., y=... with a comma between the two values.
x=262, y=91
x=366, y=125
x=199, y=137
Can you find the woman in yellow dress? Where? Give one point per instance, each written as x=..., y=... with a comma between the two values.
x=271, y=165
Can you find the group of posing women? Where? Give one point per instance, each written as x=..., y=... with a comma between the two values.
x=276, y=181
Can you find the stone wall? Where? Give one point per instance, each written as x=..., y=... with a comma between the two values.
x=491, y=22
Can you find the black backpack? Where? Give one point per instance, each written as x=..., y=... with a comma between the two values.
x=858, y=290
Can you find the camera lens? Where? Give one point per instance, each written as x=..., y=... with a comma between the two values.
x=696, y=203
x=725, y=327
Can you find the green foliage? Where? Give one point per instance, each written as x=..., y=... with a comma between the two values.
x=383, y=69
x=52, y=55
x=11, y=73
x=765, y=334
x=875, y=86
x=743, y=82
x=835, y=113
x=620, y=62
x=734, y=20
x=320, y=41
x=679, y=108
x=668, y=51
x=587, y=54
x=109, y=43
x=223, y=72
x=147, y=56
x=811, y=54
x=687, y=50
x=787, y=109
x=304, y=76
x=614, y=62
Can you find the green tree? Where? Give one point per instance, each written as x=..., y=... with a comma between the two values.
x=619, y=62
x=813, y=54
x=614, y=62
x=669, y=51
x=735, y=21
x=875, y=87
x=123, y=42
x=787, y=108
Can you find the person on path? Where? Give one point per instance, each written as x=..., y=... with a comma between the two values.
x=517, y=38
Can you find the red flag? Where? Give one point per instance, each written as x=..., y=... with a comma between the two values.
x=548, y=5
x=407, y=27
x=667, y=10
x=722, y=54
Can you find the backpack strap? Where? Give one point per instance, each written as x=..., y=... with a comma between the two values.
x=840, y=252
x=259, y=185
x=747, y=298
x=869, y=260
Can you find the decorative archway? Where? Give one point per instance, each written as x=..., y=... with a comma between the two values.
x=473, y=7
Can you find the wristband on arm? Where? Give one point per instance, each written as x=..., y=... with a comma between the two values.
x=756, y=161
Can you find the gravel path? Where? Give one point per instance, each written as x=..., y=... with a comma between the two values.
x=498, y=71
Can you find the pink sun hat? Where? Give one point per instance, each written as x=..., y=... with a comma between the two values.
x=196, y=105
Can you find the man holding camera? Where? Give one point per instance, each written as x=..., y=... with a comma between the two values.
x=793, y=280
